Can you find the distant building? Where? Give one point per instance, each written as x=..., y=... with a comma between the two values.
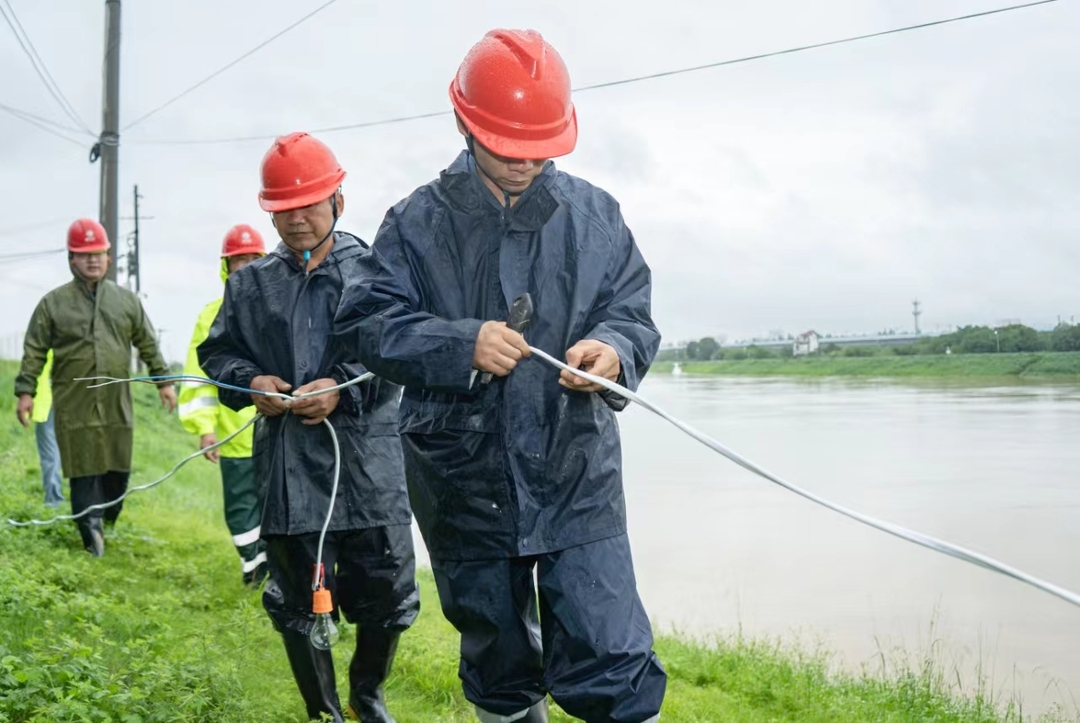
x=805, y=343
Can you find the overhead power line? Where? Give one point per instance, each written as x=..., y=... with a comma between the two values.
x=814, y=46
x=613, y=83
x=18, y=230
x=222, y=69
x=45, y=125
x=39, y=66
x=27, y=114
x=31, y=255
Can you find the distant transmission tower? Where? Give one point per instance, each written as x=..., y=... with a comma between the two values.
x=916, y=312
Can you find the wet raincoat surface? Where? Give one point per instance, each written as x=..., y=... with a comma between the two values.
x=519, y=466
x=91, y=334
x=277, y=320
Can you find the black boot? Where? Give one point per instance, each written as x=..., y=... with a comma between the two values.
x=313, y=670
x=93, y=536
x=375, y=648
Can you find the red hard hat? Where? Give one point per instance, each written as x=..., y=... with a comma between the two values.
x=512, y=92
x=297, y=171
x=242, y=239
x=87, y=236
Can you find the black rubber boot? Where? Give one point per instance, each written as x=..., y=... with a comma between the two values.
x=313, y=670
x=371, y=663
x=93, y=535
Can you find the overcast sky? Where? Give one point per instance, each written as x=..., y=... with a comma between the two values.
x=823, y=190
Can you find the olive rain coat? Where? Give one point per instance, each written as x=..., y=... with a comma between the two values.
x=91, y=334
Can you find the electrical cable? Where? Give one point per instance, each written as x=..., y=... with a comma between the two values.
x=155, y=483
x=896, y=530
x=40, y=123
x=40, y=68
x=222, y=69
x=30, y=255
x=201, y=452
x=16, y=230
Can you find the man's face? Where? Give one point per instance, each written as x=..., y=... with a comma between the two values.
x=235, y=263
x=301, y=229
x=91, y=267
x=510, y=175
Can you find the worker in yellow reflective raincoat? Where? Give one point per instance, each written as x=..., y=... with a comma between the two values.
x=202, y=416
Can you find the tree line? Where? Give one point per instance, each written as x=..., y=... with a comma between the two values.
x=973, y=339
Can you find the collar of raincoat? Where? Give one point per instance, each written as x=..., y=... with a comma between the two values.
x=345, y=245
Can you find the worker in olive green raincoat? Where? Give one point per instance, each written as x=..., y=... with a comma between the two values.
x=90, y=324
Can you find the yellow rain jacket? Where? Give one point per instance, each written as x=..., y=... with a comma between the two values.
x=200, y=412
x=43, y=395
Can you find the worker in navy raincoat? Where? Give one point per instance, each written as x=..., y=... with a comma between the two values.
x=511, y=467
x=274, y=334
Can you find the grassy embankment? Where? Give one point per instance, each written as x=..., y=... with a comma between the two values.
x=1063, y=366
x=161, y=630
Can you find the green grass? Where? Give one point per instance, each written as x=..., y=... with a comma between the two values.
x=160, y=629
x=1063, y=366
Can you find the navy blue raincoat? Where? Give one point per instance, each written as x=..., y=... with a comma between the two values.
x=277, y=320
x=519, y=466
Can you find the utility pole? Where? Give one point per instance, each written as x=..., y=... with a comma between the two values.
x=133, y=254
x=916, y=312
x=133, y=270
x=109, y=143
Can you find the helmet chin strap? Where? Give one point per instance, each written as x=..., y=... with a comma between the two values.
x=333, y=206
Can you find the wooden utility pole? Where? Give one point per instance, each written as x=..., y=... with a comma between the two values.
x=109, y=143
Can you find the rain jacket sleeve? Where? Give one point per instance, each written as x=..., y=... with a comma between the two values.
x=395, y=339
x=36, y=347
x=198, y=402
x=224, y=357
x=144, y=340
x=621, y=317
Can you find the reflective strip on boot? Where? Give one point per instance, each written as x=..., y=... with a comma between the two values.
x=249, y=565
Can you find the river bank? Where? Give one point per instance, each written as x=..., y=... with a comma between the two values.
x=1061, y=366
